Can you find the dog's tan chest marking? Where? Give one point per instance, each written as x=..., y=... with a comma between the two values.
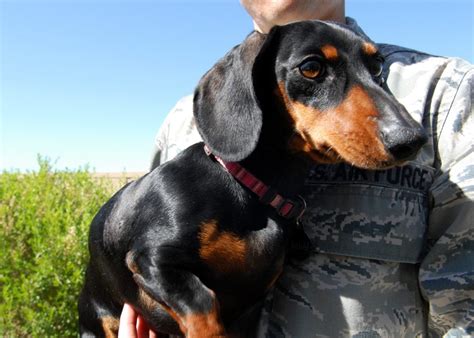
x=221, y=250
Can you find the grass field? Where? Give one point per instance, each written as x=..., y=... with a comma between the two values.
x=44, y=223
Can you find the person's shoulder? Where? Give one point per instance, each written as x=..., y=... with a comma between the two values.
x=388, y=50
x=180, y=115
x=402, y=62
x=185, y=104
x=414, y=60
x=411, y=74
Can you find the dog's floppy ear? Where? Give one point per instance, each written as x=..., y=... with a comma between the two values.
x=227, y=112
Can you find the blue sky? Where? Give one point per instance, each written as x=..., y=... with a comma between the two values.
x=90, y=82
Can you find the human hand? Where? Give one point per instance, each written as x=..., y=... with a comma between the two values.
x=268, y=13
x=132, y=325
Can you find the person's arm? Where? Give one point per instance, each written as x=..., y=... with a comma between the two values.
x=447, y=272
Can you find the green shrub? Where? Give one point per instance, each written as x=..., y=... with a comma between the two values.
x=44, y=224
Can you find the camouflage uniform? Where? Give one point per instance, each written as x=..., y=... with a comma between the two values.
x=393, y=250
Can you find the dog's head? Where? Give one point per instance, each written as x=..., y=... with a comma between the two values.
x=316, y=87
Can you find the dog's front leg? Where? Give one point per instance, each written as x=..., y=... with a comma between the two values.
x=182, y=295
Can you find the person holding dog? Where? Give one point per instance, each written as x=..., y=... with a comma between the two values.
x=393, y=250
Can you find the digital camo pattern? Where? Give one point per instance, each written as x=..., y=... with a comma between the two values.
x=369, y=214
x=177, y=132
x=336, y=296
x=393, y=250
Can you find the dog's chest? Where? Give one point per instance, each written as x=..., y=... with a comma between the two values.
x=227, y=253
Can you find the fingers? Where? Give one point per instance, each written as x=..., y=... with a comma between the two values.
x=128, y=323
x=142, y=328
x=132, y=325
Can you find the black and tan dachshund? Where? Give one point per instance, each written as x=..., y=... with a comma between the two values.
x=196, y=243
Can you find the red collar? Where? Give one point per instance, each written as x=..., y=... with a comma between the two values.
x=285, y=207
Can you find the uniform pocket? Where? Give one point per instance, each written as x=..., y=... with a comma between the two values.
x=370, y=215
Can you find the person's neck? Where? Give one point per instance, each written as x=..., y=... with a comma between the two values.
x=337, y=14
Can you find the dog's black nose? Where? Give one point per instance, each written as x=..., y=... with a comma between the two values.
x=403, y=142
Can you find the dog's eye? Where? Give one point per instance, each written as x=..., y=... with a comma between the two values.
x=311, y=69
x=376, y=68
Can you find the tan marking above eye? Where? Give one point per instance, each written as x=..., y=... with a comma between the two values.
x=330, y=52
x=369, y=48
